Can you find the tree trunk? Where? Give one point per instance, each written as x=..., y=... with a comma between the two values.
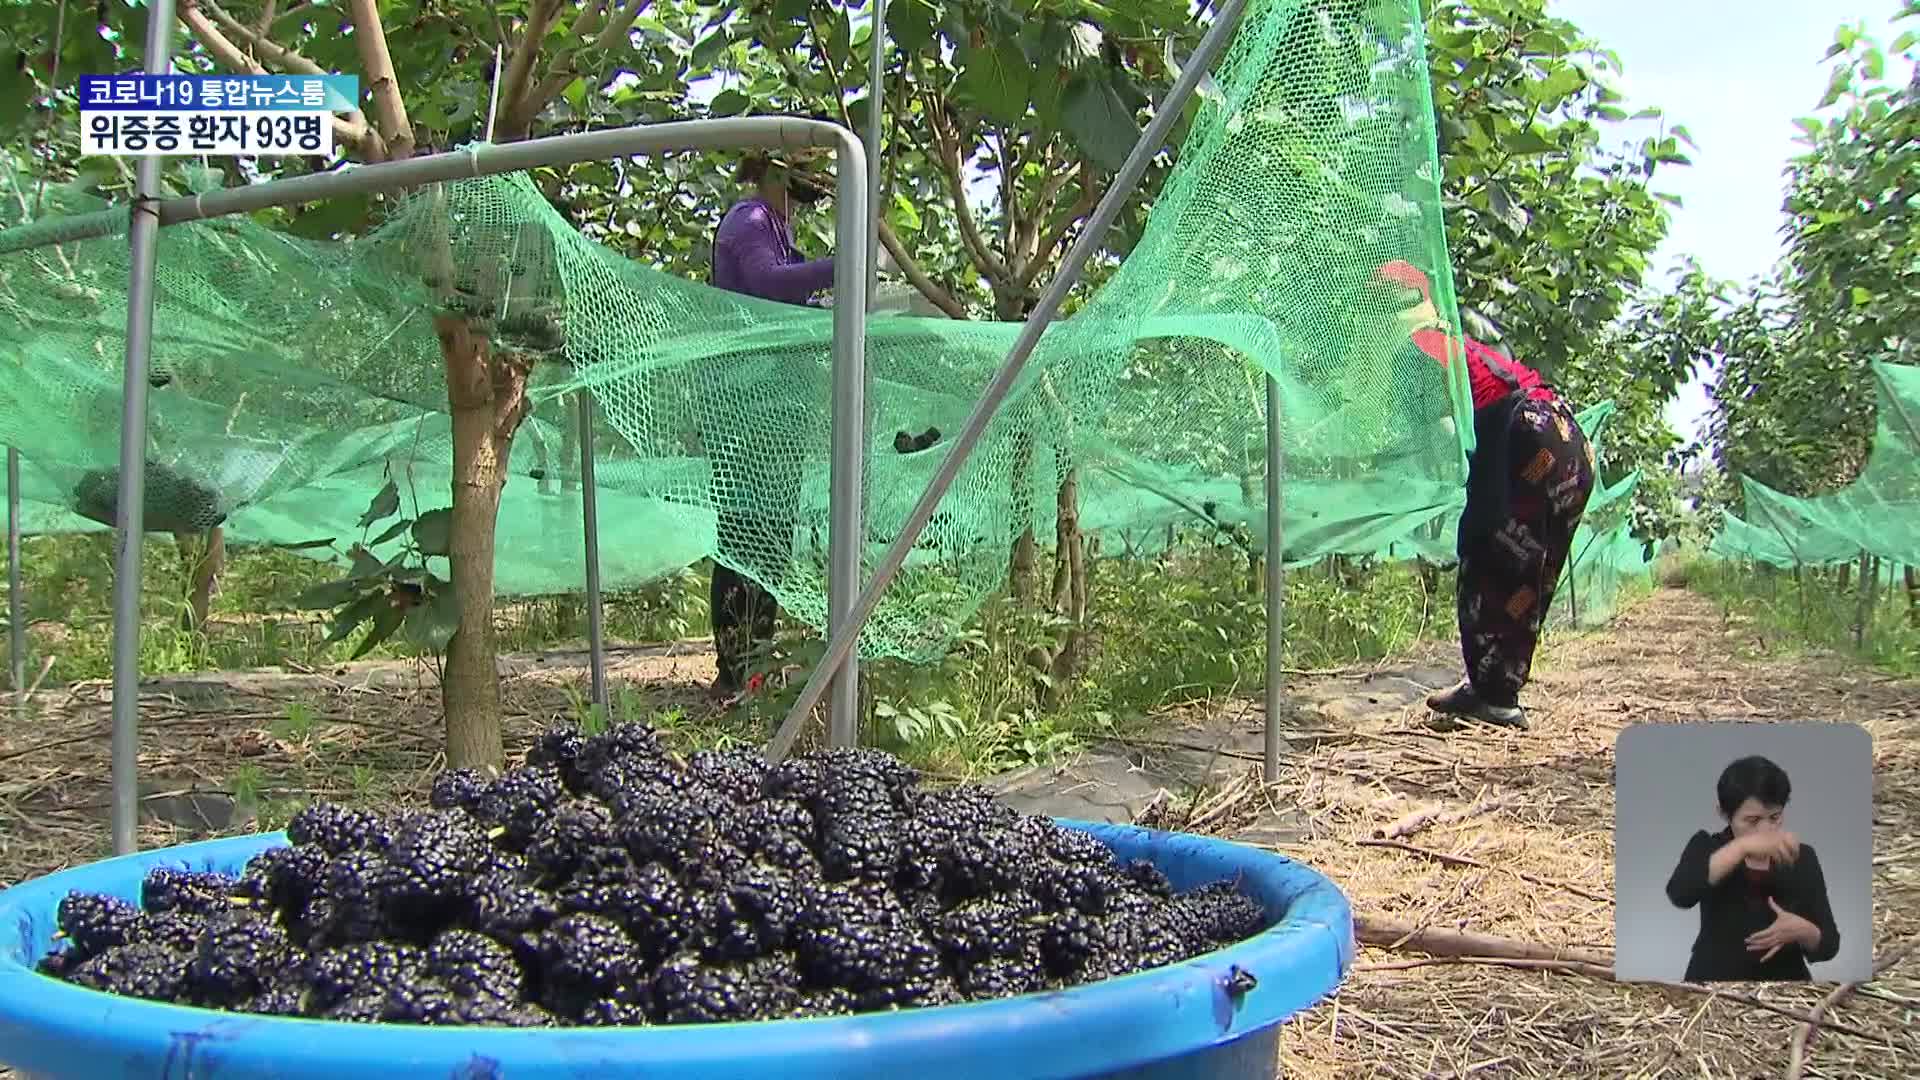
x=205, y=556
x=487, y=397
x=1913, y=597
x=1024, y=563
x=570, y=445
x=1863, y=609
x=1255, y=579
x=1069, y=588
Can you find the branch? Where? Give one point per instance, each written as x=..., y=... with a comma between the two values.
x=349, y=130
x=1009, y=202
x=513, y=86
x=1043, y=252
x=938, y=296
x=566, y=67
x=1797, y=1053
x=388, y=106
x=947, y=156
x=1463, y=860
x=266, y=48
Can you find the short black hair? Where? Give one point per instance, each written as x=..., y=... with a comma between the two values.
x=1752, y=777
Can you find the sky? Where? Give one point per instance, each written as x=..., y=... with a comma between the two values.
x=1736, y=74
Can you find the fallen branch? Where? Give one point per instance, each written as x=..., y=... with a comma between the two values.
x=1372, y=930
x=1574, y=966
x=1438, y=815
x=1464, y=860
x=1803, y=1038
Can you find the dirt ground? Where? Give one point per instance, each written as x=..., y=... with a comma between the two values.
x=1536, y=872
x=1530, y=867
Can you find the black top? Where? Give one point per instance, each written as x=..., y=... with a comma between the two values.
x=1737, y=907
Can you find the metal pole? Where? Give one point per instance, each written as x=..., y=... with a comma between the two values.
x=16, y=599
x=846, y=483
x=876, y=83
x=590, y=525
x=1276, y=582
x=142, y=242
x=840, y=646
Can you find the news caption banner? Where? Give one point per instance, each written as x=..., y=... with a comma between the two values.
x=140, y=115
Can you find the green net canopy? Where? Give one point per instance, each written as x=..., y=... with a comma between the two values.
x=1878, y=513
x=292, y=376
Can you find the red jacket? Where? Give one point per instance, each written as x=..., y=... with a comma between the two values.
x=1483, y=369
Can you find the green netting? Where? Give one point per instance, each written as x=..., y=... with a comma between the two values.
x=298, y=372
x=1879, y=513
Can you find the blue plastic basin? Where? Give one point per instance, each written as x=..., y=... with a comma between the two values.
x=1175, y=1023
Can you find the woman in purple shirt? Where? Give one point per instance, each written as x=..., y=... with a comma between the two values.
x=756, y=461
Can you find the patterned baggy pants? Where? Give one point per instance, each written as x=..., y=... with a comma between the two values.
x=756, y=489
x=1515, y=535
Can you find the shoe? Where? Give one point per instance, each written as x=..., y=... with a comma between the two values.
x=1463, y=701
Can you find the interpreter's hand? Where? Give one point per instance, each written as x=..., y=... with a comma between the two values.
x=1778, y=846
x=1787, y=929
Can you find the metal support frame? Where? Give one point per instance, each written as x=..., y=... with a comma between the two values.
x=876, y=84
x=16, y=599
x=590, y=526
x=843, y=576
x=1276, y=582
x=143, y=244
x=840, y=646
x=726, y=133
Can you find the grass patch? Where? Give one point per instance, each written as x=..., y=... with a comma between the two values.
x=1816, y=609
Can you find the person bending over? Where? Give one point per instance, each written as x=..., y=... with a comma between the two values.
x=1528, y=480
x=1763, y=904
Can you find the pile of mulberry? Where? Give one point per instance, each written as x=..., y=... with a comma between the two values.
x=609, y=882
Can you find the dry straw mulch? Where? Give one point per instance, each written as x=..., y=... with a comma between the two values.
x=1480, y=868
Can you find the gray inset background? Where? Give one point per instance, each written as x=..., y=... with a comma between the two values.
x=1664, y=777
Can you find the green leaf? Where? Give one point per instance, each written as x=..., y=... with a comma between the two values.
x=385, y=504
x=399, y=526
x=904, y=215
x=1680, y=132
x=575, y=94
x=1836, y=86
x=1528, y=141
x=910, y=25
x=365, y=563
x=306, y=545
x=1812, y=125
x=840, y=42
x=334, y=217
x=996, y=79
x=729, y=103
x=327, y=595
x=431, y=624
x=1500, y=201
x=709, y=48
x=1097, y=121
x=386, y=619
x=433, y=532
x=350, y=618
x=1906, y=41
x=1861, y=297
x=1561, y=84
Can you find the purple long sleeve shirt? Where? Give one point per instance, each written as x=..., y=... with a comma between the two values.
x=753, y=253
